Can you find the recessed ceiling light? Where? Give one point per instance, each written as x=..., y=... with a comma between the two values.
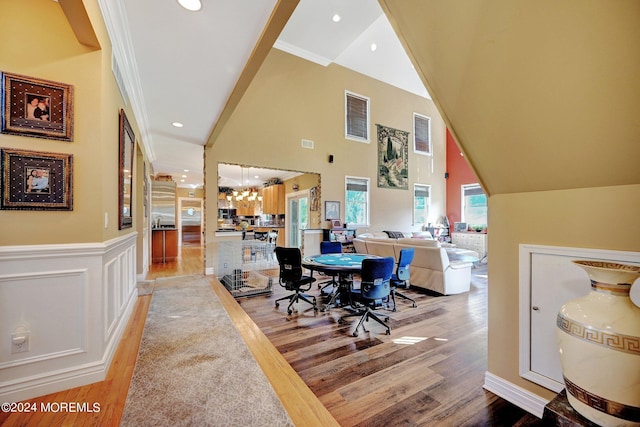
x=182, y=180
x=336, y=18
x=192, y=5
x=177, y=124
x=374, y=47
x=184, y=176
x=186, y=170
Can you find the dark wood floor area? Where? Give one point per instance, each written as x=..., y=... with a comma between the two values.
x=428, y=372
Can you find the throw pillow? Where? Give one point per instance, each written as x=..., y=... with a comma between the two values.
x=394, y=234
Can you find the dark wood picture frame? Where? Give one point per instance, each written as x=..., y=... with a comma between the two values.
x=34, y=180
x=125, y=185
x=36, y=107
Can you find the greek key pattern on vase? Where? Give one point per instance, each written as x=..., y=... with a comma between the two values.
x=616, y=409
x=619, y=342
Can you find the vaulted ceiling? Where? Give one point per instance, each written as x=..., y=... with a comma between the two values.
x=193, y=67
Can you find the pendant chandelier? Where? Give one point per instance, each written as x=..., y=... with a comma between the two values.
x=247, y=193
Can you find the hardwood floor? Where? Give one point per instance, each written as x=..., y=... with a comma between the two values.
x=370, y=380
x=428, y=372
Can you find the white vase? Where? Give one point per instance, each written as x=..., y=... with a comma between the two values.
x=599, y=342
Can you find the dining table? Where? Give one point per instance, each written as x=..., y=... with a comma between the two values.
x=344, y=265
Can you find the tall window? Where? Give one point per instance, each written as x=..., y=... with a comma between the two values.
x=357, y=201
x=474, y=205
x=356, y=117
x=421, y=203
x=421, y=134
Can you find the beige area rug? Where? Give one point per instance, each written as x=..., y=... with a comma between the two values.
x=145, y=287
x=194, y=368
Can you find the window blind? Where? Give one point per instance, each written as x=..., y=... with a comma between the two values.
x=357, y=117
x=421, y=133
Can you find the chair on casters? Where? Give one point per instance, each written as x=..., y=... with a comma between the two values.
x=401, y=276
x=374, y=288
x=292, y=279
x=330, y=248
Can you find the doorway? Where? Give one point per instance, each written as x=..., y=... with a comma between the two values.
x=190, y=221
x=297, y=217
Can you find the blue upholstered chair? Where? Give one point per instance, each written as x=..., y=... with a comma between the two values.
x=374, y=289
x=330, y=248
x=292, y=279
x=401, y=277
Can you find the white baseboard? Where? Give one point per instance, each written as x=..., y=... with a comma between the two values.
x=209, y=271
x=520, y=397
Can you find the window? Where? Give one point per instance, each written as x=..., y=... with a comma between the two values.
x=474, y=205
x=421, y=203
x=356, y=117
x=421, y=134
x=357, y=201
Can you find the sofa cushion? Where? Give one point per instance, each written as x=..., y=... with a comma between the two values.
x=419, y=242
x=381, y=247
x=421, y=235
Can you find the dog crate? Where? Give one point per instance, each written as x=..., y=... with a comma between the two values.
x=247, y=267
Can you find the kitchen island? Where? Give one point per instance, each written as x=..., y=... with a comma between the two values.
x=164, y=244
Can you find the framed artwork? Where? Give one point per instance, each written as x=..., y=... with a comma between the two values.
x=336, y=223
x=33, y=180
x=36, y=107
x=331, y=210
x=127, y=144
x=314, y=193
x=393, y=158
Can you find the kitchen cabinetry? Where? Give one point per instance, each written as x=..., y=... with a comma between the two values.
x=273, y=199
x=247, y=208
x=164, y=244
x=476, y=242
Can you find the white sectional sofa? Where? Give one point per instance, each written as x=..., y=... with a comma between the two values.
x=431, y=268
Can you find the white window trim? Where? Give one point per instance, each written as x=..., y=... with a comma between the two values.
x=368, y=217
x=422, y=153
x=346, y=133
x=462, y=188
x=414, y=202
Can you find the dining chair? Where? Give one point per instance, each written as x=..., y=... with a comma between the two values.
x=401, y=276
x=374, y=289
x=292, y=279
x=330, y=248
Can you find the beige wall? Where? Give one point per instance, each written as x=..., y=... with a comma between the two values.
x=598, y=218
x=292, y=99
x=52, y=52
x=542, y=99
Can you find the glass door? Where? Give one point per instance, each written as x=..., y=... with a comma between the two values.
x=297, y=214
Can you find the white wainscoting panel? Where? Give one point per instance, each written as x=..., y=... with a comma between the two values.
x=43, y=312
x=75, y=301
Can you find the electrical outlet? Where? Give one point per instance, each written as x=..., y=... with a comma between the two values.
x=226, y=265
x=20, y=342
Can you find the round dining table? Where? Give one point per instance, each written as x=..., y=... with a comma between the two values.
x=342, y=264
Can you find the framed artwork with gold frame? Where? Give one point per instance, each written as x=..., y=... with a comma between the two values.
x=36, y=107
x=33, y=180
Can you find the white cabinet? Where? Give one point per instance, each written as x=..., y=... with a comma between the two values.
x=476, y=242
x=548, y=279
